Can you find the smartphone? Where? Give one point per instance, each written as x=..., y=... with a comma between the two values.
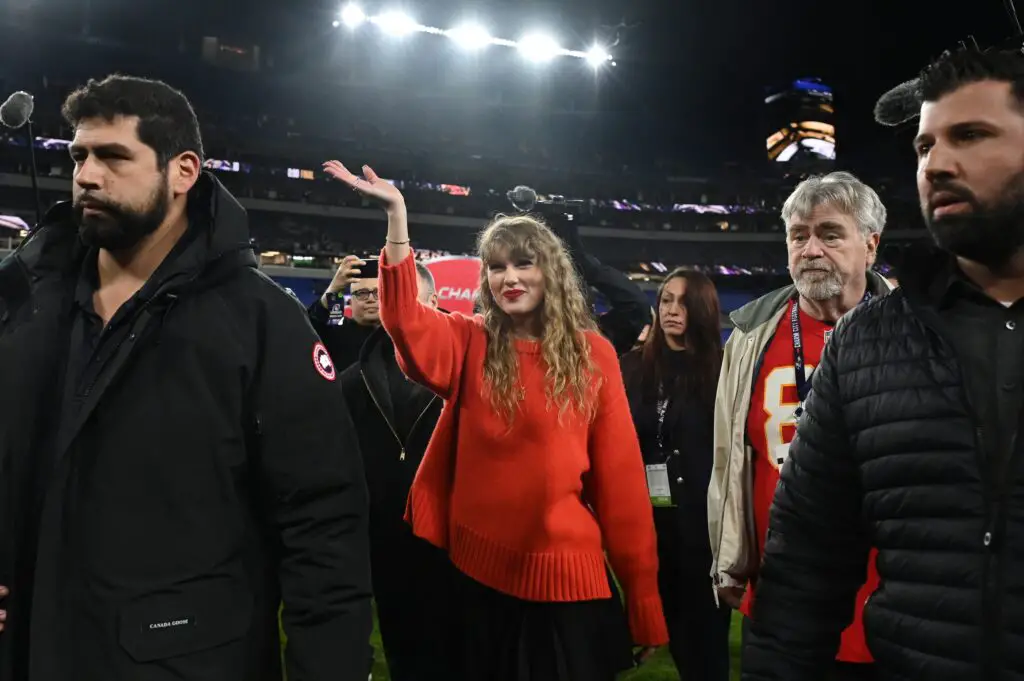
x=370, y=269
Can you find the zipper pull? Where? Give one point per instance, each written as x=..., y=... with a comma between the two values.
x=401, y=457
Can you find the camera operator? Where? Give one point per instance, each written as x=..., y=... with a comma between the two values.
x=629, y=309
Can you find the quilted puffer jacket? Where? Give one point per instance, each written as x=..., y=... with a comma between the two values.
x=889, y=454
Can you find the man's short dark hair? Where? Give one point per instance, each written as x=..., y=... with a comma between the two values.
x=427, y=276
x=167, y=122
x=953, y=70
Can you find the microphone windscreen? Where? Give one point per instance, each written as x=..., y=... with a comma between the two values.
x=524, y=193
x=17, y=110
x=523, y=197
x=900, y=104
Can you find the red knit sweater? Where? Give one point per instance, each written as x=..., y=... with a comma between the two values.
x=529, y=511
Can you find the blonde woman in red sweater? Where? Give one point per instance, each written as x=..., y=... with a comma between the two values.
x=534, y=469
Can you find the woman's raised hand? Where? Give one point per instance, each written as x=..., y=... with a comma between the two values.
x=369, y=185
x=396, y=248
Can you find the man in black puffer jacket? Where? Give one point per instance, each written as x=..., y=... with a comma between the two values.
x=909, y=442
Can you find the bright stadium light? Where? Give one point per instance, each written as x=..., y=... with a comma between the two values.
x=539, y=48
x=596, y=56
x=396, y=23
x=470, y=36
x=352, y=16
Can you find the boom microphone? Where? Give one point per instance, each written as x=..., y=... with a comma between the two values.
x=902, y=103
x=524, y=199
x=899, y=105
x=15, y=113
x=17, y=110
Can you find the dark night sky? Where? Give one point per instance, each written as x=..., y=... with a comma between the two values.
x=698, y=66
x=716, y=55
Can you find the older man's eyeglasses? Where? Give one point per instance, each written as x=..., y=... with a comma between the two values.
x=365, y=294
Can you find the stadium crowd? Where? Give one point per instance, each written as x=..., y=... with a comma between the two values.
x=189, y=460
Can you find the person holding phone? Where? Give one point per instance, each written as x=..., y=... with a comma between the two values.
x=343, y=336
x=534, y=469
x=394, y=419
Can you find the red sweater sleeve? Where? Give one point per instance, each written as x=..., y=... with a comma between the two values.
x=430, y=345
x=617, y=488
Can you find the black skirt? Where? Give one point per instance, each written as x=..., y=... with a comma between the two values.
x=503, y=638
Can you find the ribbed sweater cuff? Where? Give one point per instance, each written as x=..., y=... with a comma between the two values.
x=428, y=517
x=647, y=621
x=638, y=575
x=399, y=287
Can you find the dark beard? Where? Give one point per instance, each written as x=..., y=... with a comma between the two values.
x=121, y=228
x=989, y=235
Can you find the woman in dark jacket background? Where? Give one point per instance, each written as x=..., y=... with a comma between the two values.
x=671, y=381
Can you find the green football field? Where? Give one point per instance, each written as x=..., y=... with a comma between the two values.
x=658, y=668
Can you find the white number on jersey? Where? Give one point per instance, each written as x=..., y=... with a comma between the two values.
x=780, y=412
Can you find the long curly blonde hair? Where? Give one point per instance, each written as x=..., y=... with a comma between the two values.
x=564, y=316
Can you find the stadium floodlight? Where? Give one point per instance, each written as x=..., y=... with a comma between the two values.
x=596, y=56
x=538, y=47
x=396, y=23
x=470, y=36
x=352, y=16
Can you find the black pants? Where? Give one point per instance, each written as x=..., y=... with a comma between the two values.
x=418, y=613
x=841, y=671
x=698, y=629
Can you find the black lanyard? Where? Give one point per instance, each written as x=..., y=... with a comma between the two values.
x=662, y=408
x=803, y=382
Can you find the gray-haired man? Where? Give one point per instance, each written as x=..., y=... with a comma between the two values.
x=833, y=226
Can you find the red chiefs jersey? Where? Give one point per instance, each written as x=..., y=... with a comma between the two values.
x=771, y=426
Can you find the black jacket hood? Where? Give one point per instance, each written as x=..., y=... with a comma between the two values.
x=218, y=237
